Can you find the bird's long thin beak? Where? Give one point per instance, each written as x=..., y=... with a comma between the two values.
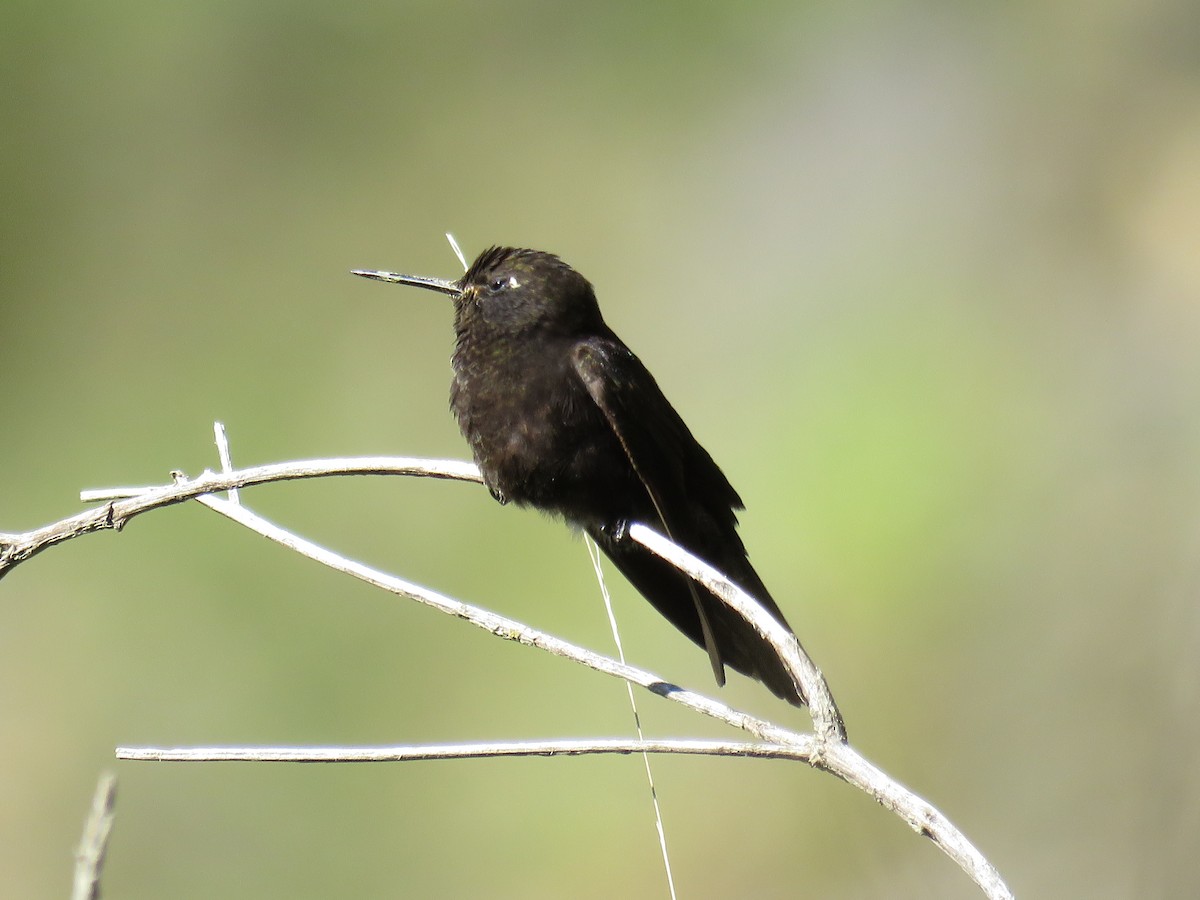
x=422, y=281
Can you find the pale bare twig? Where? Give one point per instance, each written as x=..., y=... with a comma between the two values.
x=826, y=750
x=89, y=858
x=125, y=503
x=593, y=552
x=501, y=626
x=827, y=720
x=222, y=441
x=748, y=749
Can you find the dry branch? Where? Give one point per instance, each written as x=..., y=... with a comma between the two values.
x=826, y=749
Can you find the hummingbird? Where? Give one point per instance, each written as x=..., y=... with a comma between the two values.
x=561, y=416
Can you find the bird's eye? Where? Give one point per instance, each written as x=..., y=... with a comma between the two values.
x=501, y=282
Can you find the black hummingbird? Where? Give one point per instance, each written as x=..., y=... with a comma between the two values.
x=561, y=416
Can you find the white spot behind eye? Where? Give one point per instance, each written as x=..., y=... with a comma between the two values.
x=502, y=283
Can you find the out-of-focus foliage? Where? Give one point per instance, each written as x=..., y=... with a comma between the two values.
x=924, y=278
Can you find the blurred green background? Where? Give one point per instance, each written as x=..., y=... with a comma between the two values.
x=923, y=277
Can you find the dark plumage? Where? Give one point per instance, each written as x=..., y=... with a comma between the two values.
x=561, y=416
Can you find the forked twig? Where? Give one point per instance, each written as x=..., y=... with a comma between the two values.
x=826, y=749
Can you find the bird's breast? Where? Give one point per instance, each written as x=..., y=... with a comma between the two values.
x=539, y=439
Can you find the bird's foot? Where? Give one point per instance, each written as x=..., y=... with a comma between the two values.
x=618, y=531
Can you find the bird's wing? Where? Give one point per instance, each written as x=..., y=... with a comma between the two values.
x=655, y=439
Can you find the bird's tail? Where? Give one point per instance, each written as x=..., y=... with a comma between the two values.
x=675, y=596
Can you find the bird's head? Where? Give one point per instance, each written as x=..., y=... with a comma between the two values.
x=511, y=291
